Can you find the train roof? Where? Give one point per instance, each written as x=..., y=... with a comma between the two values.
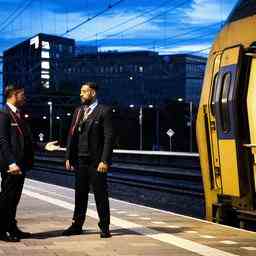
x=243, y=9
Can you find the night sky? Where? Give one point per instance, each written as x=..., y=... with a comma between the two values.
x=165, y=26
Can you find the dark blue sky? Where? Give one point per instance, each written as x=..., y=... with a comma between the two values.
x=165, y=26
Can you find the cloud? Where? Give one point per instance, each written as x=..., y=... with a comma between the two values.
x=208, y=11
x=191, y=48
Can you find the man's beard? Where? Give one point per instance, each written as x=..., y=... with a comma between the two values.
x=86, y=102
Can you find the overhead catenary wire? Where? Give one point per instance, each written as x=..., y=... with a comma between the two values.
x=143, y=22
x=12, y=13
x=135, y=17
x=110, y=6
x=24, y=7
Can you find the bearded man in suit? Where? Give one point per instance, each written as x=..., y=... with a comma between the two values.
x=89, y=151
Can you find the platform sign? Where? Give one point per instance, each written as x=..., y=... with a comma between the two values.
x=170, y=133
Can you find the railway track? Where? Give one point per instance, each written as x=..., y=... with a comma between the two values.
x=184, y=180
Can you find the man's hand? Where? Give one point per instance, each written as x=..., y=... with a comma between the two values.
x=51, y=146
x=68, y=166
x=102, y=167
x=14, y=169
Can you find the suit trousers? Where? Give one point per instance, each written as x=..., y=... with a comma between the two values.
x=11, y=189
x=86, y=176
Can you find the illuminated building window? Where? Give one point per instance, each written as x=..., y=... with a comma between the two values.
x=35, y=41
x=46, y=84
x=45, y=76
x=45, y=64
x=45, y=45
x=45, y=54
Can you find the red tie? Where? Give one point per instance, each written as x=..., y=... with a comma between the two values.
x=86, y=112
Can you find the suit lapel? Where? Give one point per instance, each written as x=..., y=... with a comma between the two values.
x=14, y=119
x=92, y=116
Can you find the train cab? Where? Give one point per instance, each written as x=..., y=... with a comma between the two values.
x=226, y=121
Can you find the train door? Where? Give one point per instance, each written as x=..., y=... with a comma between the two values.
x=225, y=108
x=251, y=110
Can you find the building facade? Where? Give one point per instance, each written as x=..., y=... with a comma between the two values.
x=32, y=62
x=52, y=69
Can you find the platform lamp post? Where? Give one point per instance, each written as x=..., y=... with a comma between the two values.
x=50, y=119
x=190, y=126
x=141, y=128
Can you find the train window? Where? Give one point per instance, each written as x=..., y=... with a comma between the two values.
x=214, y=89
x=225, y=120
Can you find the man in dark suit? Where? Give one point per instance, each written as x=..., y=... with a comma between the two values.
x=89, y=151
x=16, y=156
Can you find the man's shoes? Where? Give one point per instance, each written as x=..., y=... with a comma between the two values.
x=9, y=237
x=19, y=233
x=104, y=231
x=74, y=229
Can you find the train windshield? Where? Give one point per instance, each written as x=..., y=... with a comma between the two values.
x=243, y=9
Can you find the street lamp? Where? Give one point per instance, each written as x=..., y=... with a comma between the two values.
x=51, y=123
x=190, y=126
x=141, y=128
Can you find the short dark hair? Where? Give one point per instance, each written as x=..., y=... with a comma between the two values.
x=92, y=85
x=11, y=89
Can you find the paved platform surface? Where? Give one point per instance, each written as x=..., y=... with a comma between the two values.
x=46, y=210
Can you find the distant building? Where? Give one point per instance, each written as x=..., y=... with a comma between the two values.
x=53, y=68
x=187, y=73
x=135, y=78
x=32, y=62
x=85, y=49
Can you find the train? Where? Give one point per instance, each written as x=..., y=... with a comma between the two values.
x=226, y=121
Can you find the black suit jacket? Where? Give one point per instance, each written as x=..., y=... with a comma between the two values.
x=13, y=147
x=101, y=135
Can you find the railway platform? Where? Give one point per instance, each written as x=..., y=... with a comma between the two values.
x=46, y=210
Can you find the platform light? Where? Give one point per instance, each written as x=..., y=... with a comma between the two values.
x=26, y=116
x=150, y=106
x=114, y=110
x=180, y=99
x=49, y=103
x=44, y=117
x=131, y=106
x=57, y=117
x=131, y=77
x=68, y=114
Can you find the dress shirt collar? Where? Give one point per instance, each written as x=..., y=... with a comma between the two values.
x=12, y=107
x=93, y=105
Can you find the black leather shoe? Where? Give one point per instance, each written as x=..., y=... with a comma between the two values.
x=9, y=237
x=104, y=231
x=20, y=233
x=74, y=229
x=106, y=234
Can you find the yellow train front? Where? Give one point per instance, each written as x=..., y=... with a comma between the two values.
x=226, y=121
